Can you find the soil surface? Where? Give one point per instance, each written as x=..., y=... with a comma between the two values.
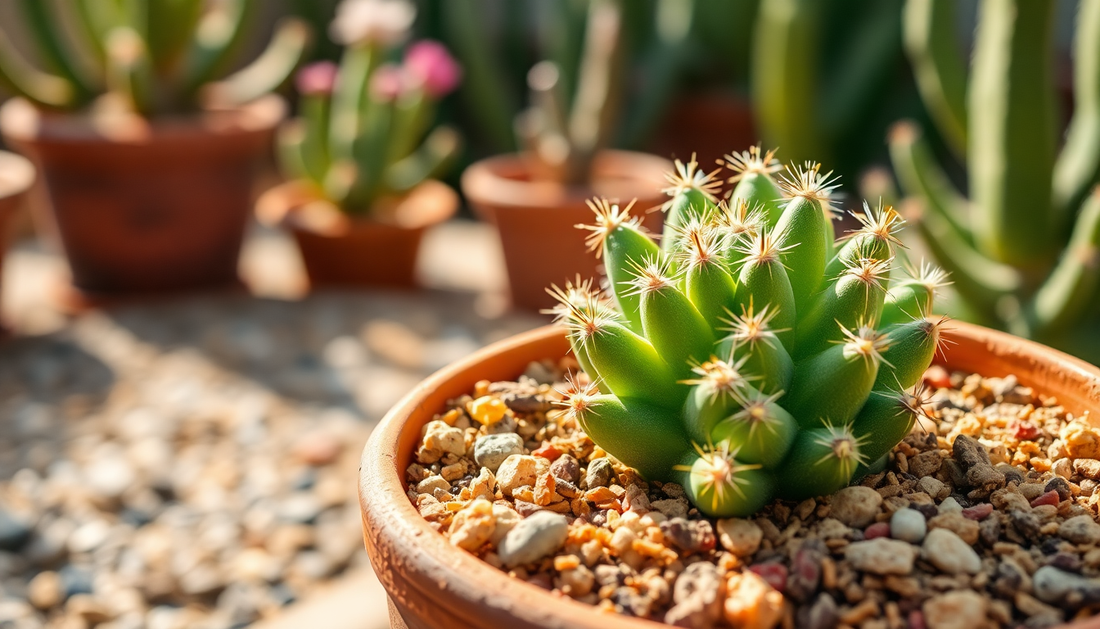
x=986, y=516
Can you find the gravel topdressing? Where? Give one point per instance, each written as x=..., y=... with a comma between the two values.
x=986, y=516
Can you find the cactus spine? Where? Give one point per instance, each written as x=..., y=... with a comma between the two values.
x=1023, y=250
x=790, y=396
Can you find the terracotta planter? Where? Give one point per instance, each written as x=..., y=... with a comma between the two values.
x=433, y=585
x=708, y=124
x=338, y=250
x=16, y=177
x=537, y=219
x=160, y=210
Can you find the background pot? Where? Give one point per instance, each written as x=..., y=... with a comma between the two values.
x=706, y=124
x=161, y=209
x=340, y=250
x=536, y=219
x=16, y=177
x=432, y=584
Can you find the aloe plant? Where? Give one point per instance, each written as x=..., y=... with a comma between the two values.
x=149, y=57
x=1023, y=248
x=749, y=356
x=363, y=132
x=589, y=51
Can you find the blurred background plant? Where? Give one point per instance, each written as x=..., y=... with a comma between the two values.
x=363, y=130
x=149, y=58
x=1023, y=248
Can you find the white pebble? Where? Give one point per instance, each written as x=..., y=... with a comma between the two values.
x=908, y=525
x=948, y=552
x=542, y=533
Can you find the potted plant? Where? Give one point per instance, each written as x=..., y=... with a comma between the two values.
x=1022, y=249
x=811, y=389
x=145, y=146
x=16, y=177
x=360, y=158
x=534, y=197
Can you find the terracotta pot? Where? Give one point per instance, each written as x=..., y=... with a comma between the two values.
x=338, y=250
x=537, y=219
x=16, y=177
x=708, y=125
x=160, y=209
x=433, y=585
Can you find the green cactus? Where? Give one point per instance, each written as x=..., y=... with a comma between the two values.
x=363, y=133
x=148, y=57
x=1023, y=249
x=813, y=381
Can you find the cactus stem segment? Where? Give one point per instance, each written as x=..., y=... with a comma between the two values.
x=718, y=473
x=866, y=342
x=609, y=217
x=722, y=379
x=702, y=245
x=650, y=275
x=764, y=249
x=688, y=177
x=751, y=161
x=882, y=223
x=757, y=413
x=809, y=183
x=751, y=327
x=842, y=447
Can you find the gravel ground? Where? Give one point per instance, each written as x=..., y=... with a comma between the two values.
x=193, y=464
x=986, y=516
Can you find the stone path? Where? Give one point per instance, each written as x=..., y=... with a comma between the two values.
x=192, y=464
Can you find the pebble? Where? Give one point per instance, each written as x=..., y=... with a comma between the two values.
x=698, y=594
x=934, y=487
x=751, y=603
x=882, y=556
x=957, y=523
x=948, y=552
x=1081, y=529
x=955, y=610
x=877, y=530
x=45, y=590
x=516, y=471
x=950, y=505
x=318, y=448
x=566, y=468
x=739, y=536
x=600, y=473
x=533, y=538
x=856, y=506
x=491, y=450
x=14, y=531
x=908, y=525
x=473, y=526
x=1056, y=586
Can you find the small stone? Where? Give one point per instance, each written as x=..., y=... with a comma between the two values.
x=537, y=536
x=440, y=437
x=473, y=526
x=318, y=448
x=877, y=530
x=45, y=591
x=978, y=512
x=948, y=552
x=89, y=536
x=740, y=537
x=823, y=614
x=908, y=525
x=1056, y=587
x=955, y=610
x=689, y=536
x=516, y=471
x=491, y=450
x=750, y=603
x=881, y=556
x=1061, y=486
x=566, y=468
x=950, y=505
x=698, y=593
x=506, y=519
x=1089, y=468
x=1081, y=529
x=775, y=574
x=487, y=410
x=925, y=464
x=962, y=526
x=933, y=487
x=14, y=531
x=671, y=507
x=431, y=483
x=110, y=477
x=1047, y=498
x=855, y=506
x=600, y=473
x=1063, y=468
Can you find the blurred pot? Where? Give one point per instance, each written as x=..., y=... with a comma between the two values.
x=341, y=250
x=537, y=220
x=708, y=125
x=16, y=177
x=145, y=208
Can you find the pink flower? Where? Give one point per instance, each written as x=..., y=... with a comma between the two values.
x=387, y=83
x=429, y=63
x=317, y=78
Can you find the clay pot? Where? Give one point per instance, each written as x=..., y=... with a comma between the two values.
x=16, y=177
x=708, y=125
x=433, y=585
x=340, y=250
x=154, y=208
x=537, y=220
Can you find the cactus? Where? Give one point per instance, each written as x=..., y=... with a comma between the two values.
x=749, y=357
x=363, y=130
x=1023, y=249
x=146, y=57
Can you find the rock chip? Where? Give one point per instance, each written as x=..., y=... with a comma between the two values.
x=1089, y=468
x=600, y=473
x=948, y=552
x=934, y=487
x=532, y=539
x=925, y=464
x=960, y=525
x=1080, y=529
x=751, y=603
x=491, y=450
x=566, y=468
x=516, y=471
x=955, y=610
x=473, y=526
x=1058, y=587
x=908, y=525
x=439, y=437
x=698, y=594
x=856, y=506
x=882, y=556
x=740, y=537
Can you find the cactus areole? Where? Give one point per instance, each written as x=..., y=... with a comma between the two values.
x=749, y=356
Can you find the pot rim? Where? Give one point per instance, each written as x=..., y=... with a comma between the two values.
x=459, y=578
x=22, y=122
x=484, y=185
x=17, y=175
x=282, y=206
